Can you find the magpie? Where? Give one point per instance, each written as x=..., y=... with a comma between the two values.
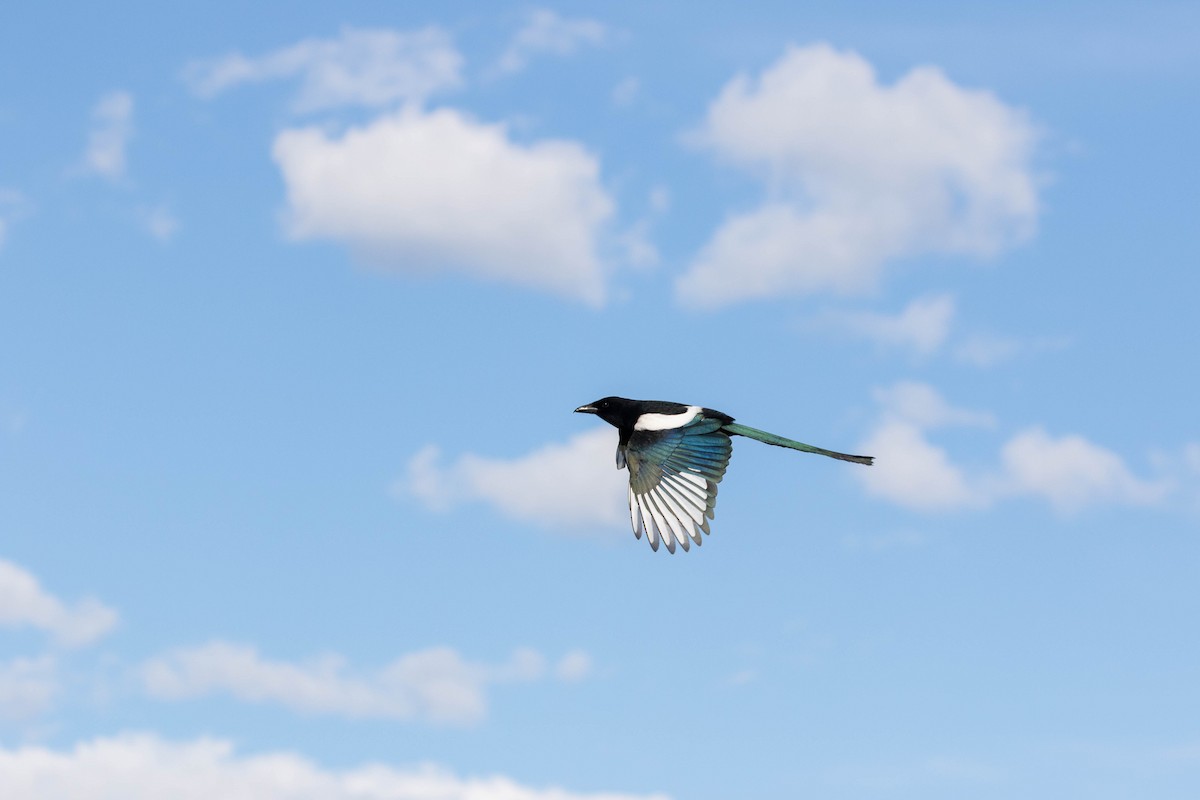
x=676, y=455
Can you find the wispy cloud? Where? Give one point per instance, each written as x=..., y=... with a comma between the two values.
x=147, y=767
x=921, y=327
x=547, y=33
x=28, y=687
x=108, y=138
x=361, y=67
x=13, y=205
x=564, y=486
x=574, y=666
x=625, y=92
x=921, y=405
x=1186, y=464
x=926, y=327
x=437, y=685
x=23, y=603
x=1069, y=472
x=858, y=173
x=985, y=350
x=422, y=192
x=159, y=222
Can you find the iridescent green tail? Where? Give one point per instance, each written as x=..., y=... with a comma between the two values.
x=733, y=429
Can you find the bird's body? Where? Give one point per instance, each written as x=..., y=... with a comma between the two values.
x=676, y=455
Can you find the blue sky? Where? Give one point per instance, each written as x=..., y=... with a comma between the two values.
x=295, y=302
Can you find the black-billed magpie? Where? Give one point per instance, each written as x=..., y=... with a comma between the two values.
x=676, y=455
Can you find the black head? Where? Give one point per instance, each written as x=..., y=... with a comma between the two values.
x=616, y=411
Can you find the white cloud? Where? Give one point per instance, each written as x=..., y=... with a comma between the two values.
x=924, y=327
x=1069, y=472
x=23, y=602
x=912, y=472
x=547, y=33
x=859, y=173
x=112, y=127
x=367, y=67
x=921, y=327
x=921, y=405
x=146, y=767
x=426, y=191
x=436, y=685
x=570, y=485
x=28, y=687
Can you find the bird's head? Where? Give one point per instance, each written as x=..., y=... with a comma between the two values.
x=616, y=411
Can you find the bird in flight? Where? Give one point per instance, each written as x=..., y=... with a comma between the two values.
x=676, y=455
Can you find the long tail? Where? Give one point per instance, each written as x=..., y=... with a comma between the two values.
x=734, y=429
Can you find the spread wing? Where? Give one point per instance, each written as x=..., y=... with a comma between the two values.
x=673, y=477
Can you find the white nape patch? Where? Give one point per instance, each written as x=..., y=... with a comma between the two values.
x=665, y=422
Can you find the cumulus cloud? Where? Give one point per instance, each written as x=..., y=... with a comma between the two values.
x=562, y=485
x=361, y=67
x=547, y=33
x=921, y=327
x=859, y=173
x=436, y=685
x=916, y=473
x=28, y=687
x=108, y=138
x=1069, y=472
x=146, y=767
x=23, y=603
x=420, y=191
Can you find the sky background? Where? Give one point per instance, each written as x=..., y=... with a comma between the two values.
x=296, y=300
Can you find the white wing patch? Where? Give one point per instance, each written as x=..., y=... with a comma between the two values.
x=665, y=422
x=673, y=511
